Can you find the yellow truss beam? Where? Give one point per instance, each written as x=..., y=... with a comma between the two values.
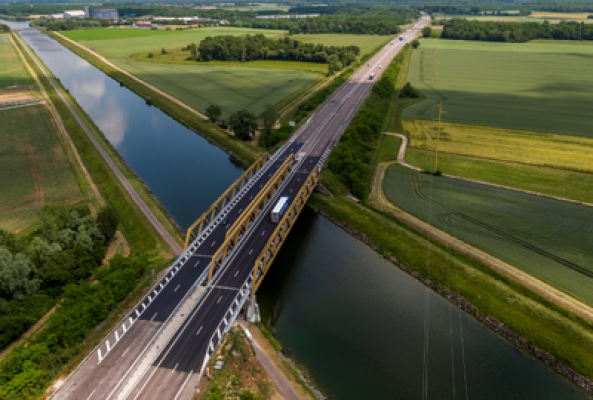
x=248, y=216
x=196, y=228
x=272, y=247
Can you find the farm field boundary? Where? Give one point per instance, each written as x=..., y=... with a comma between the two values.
x=498, y=85
x=572, y=153
x=168, y=104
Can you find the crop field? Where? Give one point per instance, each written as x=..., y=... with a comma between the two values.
x=33, y=168
x=525, y=147
x=552, y=181
x=367, y=43
x=126, y=46
x=537, y=87
x=12, y=70
x=231, y=88
x=547, y=238
x=119, y=33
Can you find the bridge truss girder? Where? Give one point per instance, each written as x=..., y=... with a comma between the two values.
x=248, y=217
x=272, y=247
x=208, y=216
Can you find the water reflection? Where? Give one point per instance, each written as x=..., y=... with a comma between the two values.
x=185, y=172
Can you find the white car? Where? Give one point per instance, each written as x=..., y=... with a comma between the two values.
x=379, y=66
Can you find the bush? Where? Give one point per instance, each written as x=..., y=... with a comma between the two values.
x=415, y=43
x=408, y=91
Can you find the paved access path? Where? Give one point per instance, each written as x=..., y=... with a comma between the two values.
x=175, y=247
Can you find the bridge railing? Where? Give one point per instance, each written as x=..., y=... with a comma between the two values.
x=208, y=216
x=272, y=247
x=250, y=214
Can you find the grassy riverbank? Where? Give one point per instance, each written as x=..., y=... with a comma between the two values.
x=140, y=234
x=542, y=323
x=241, y=150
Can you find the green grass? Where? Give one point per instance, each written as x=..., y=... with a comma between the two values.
x=12, y=70
x=240, y=150
x=125, y=47
x=538, y=87
x=231, y=88
x=139, y=233
x=181, y=57
x=33, y=168
x=552, y=181
x=367, y=43
x=567, y=337
x=547, y=238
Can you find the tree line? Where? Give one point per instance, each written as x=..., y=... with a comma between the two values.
x=70, y=24
x=68, y=247
x=259, y=47
x=515, y=31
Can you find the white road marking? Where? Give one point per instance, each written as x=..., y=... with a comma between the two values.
x=173, y=370
x=153, y=316
x=220, y=298
x=184, y=382
x=177, y=287
x=124, y=353
x=250, y=251
x=199, y=330
x=213, y=243
x=91, y=395
x=236, y=273
x=240, y=211
x=263, y=233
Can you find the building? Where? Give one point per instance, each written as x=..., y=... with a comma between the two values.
x=74, y=14
x=56, y=16
x=104, y=13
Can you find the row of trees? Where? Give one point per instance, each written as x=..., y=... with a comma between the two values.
x=515, y=31
x=349, y=161
x=70, y=24
x=259, y=47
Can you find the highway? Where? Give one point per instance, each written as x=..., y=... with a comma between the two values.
x=175, y=371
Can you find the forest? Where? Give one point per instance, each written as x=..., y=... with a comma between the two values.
x=259, y=47
x=70, y=24
x=517, y=32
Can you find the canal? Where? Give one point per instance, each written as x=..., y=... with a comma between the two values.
x=361, y=327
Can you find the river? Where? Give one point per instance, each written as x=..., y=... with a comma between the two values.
x=361, y=327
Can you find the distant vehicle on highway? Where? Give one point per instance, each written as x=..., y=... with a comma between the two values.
x=379, y=66
x=401, y=38
x=334, y=100
x=391, y=44
x=280, y=209
x=372, y=76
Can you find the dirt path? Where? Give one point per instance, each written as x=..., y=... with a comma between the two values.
x=61, y=131
x=172, y=243
x=378, y=199
x=148, y=85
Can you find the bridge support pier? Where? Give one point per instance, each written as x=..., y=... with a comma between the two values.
x=252, y=311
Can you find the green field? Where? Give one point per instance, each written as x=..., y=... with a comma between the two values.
x=231, y=88
x=126, y=46
x=539, y=87
x=367, y=43
x=547, y=238
x=118, y=33
x=552, y=18
x=33, y=168
x=12, y=70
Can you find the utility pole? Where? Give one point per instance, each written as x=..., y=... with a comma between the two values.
x=436, y=149
x=436, y=75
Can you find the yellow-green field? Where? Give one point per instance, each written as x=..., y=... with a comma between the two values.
x=12, y=71
x=542, y=149
x=33, y=168
x=125, y=47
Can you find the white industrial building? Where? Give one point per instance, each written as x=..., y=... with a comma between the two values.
x=74, y=14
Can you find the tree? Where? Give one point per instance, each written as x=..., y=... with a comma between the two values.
x=426, y=31
x=334, y=64
x=244, y=124
x=408, y=91
x=194, y=51
x=107, y=222
x=415, y=43
x=213, y=112
x=269, y=116
x=14, y=276
x=163, y=51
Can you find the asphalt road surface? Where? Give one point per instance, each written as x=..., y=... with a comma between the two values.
x=174, y=373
